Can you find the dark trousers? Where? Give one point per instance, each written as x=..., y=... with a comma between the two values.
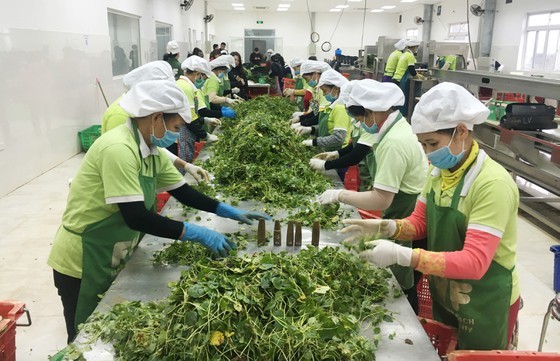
x=68, y=290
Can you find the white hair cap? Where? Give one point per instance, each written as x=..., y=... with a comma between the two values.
x=446, y=106
x=375, y=96
x=152, y=96
x=172, y=47
x=196, y=63
x=345, y=91
x=296, y=62
x=401, y=44
x=332, y=77
x=314, y=66
x=154, y=70
x=270, y=51
x=412, y=42
x=222, y=60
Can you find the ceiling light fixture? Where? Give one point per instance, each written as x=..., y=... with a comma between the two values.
x=238, y=8
x=282, y=9
x=342, y=6
x=335, y=10
x=388, y=7
x=377, y=10
x=408, y=1
x=237, y=4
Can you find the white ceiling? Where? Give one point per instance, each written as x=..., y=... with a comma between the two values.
x=317, y=5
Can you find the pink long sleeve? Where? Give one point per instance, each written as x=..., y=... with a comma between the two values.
x=414, y=226
x=472, y=262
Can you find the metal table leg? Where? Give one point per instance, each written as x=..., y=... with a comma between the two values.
x=554, y=311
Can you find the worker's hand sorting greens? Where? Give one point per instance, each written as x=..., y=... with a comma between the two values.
x=112, y=198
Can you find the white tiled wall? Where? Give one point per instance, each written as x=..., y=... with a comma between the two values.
x=51, y=53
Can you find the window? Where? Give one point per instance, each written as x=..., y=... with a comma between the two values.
x=163, y=36
x=541, y=42
x=458, y=31
x=411, y=33
x=124, y=31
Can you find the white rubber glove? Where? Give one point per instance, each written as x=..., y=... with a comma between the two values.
x=387, y=253
x=303, y=130
x=232, y=101
x=294, y=120
x=295, y=126
x=212, y=122
x=330, y=196
x=211, y=138
x=378, y=228
x=197, y=172
x=317, y=164
x=328, y=155
x=308, y=142
x=235, y=90
x=288, y=92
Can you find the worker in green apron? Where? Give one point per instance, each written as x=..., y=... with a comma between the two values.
x=333, y=129
x=300, y=86
x=354, y=153
x=448, y=62
x=172, y=57
x=112, y=199
x=397, y=164
x=311, y=71
x=405, y=69
x=214, y=87
x=468, y=211
x=393, y=60
x=115, y=115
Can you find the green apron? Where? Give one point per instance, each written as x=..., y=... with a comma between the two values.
x=402, y=206
x=227, y=84
x=299, y=100
x=479, y=309
x=405, y=85
x=107, y=245
x=323, y=127
x=220, y=93
x=363, y=171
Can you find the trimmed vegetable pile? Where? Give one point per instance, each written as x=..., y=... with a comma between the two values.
x=260, y=158
x=266, y=306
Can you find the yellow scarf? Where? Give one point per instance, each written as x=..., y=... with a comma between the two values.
x=450, y=180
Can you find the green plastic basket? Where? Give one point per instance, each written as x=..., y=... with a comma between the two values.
x=88, y=136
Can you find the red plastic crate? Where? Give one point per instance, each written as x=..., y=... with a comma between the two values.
x=424, y=298
x=502, y=356
x=443, y=337
x=352, y=178
x=289, y=83
x=7, y=340
x=198, y=148
x=162, y=199
x=10, y=312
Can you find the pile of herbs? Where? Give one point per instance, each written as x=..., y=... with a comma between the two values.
x=330, y=216
x=266, y=306
x=260, y=158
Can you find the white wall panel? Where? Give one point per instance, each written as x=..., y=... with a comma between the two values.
x=51, y=53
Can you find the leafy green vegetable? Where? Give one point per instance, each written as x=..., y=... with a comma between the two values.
x=266, y=306
x=329, y=216
x=260, y=158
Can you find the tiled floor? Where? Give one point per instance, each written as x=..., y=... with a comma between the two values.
x=30, y=216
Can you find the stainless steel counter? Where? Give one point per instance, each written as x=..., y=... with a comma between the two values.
x=142, y=281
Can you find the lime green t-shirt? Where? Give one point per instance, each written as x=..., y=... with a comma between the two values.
x=339, y=119
x=406, y=59
x=113, y=116
x=107, y=176
x=490, y=205
x=192, y=95
x=392, y=62
x=401, y=163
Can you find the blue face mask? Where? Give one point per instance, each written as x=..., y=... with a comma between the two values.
x=221, y=75
x=297, y=72
x=312, y=83
x=330, y=98
x=168, y=138
x=199, y=83
x=443, y=158
x=374, y=129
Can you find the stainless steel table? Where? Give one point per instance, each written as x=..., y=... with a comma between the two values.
x=141, y=281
